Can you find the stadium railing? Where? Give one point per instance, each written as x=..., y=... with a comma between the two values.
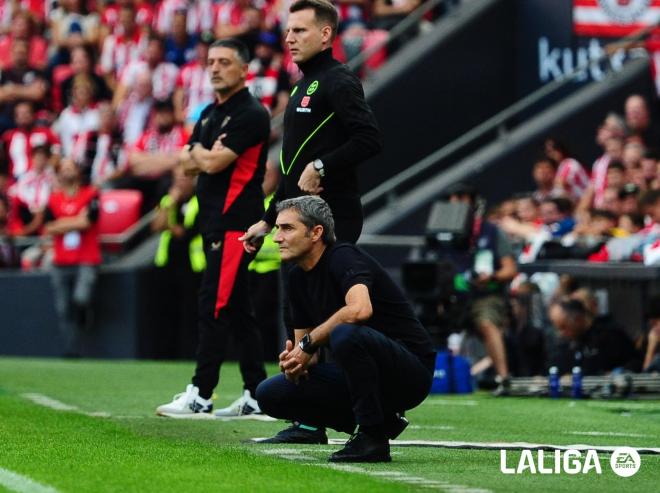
x=388, y=193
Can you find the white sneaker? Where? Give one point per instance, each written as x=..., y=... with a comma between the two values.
x=243, y=406
x=186, y=403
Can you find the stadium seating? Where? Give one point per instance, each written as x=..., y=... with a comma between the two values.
x=119, y=210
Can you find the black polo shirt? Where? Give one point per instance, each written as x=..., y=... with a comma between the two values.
x=320, y=292
x=232, y=200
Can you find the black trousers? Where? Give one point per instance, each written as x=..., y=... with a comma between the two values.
x=370, y=379
x=225, y=308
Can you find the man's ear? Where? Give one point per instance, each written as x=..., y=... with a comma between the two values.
x=317, y=233
x=326, y=32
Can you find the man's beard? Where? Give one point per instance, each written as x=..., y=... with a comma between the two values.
x=163, y=129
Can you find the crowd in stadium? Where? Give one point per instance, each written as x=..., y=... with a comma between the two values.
x=609, y=211
x=116, y=86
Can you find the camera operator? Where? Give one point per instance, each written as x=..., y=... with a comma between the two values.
x=483, y=271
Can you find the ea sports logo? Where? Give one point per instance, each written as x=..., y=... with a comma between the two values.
x=625, y=11
x=625, y=462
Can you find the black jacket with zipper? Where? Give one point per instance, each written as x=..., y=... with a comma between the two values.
x=327, y=118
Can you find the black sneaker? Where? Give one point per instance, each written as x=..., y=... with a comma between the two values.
x=394, y=428
x=299, y=433
x=363, y=448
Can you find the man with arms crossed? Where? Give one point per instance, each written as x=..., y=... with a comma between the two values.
x=227, y=151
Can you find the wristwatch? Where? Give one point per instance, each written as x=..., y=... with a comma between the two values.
x=306, y=345
x=318, y=166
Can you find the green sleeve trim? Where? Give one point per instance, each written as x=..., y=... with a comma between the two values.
x=288, y=170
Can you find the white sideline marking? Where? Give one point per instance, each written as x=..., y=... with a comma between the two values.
x=502, y=445
x=448, y=402
x=405, y=478
x=198, y=416
x=255, y=417
x=22, y=484
x=608, y=434
x=195, y=416
x=44, y=400
x=296, y=455
x=493, y=445
x=430, y=427
x=299, y=457
x=49, y=402
x=387, y=473
x=397, y=476
x=279, y=451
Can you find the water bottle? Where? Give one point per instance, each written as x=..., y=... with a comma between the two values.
x=554, y=389
x=576, y=384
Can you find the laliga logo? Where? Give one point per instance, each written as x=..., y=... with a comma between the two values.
x=625, y=462
x=568, y=461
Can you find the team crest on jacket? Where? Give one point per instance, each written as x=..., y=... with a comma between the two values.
x=305, y=102
x=311, y=89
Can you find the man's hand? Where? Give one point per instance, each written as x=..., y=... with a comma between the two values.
x=310, y=180
x=254, y=236
x=296, y=363
x=218, y=145
x=288, y=347
x=190, y=167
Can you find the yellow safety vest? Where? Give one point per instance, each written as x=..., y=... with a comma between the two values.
x=196, y=246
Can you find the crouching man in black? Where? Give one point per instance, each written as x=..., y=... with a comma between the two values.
x=342, y=299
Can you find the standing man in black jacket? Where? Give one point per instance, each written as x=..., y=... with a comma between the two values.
x=328, y=127
x=328, y=130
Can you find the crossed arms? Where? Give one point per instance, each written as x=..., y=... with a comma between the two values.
x=195, y=159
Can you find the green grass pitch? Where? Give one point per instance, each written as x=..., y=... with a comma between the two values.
x=129, y=449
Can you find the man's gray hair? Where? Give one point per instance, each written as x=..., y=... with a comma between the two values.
x=313, y=211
